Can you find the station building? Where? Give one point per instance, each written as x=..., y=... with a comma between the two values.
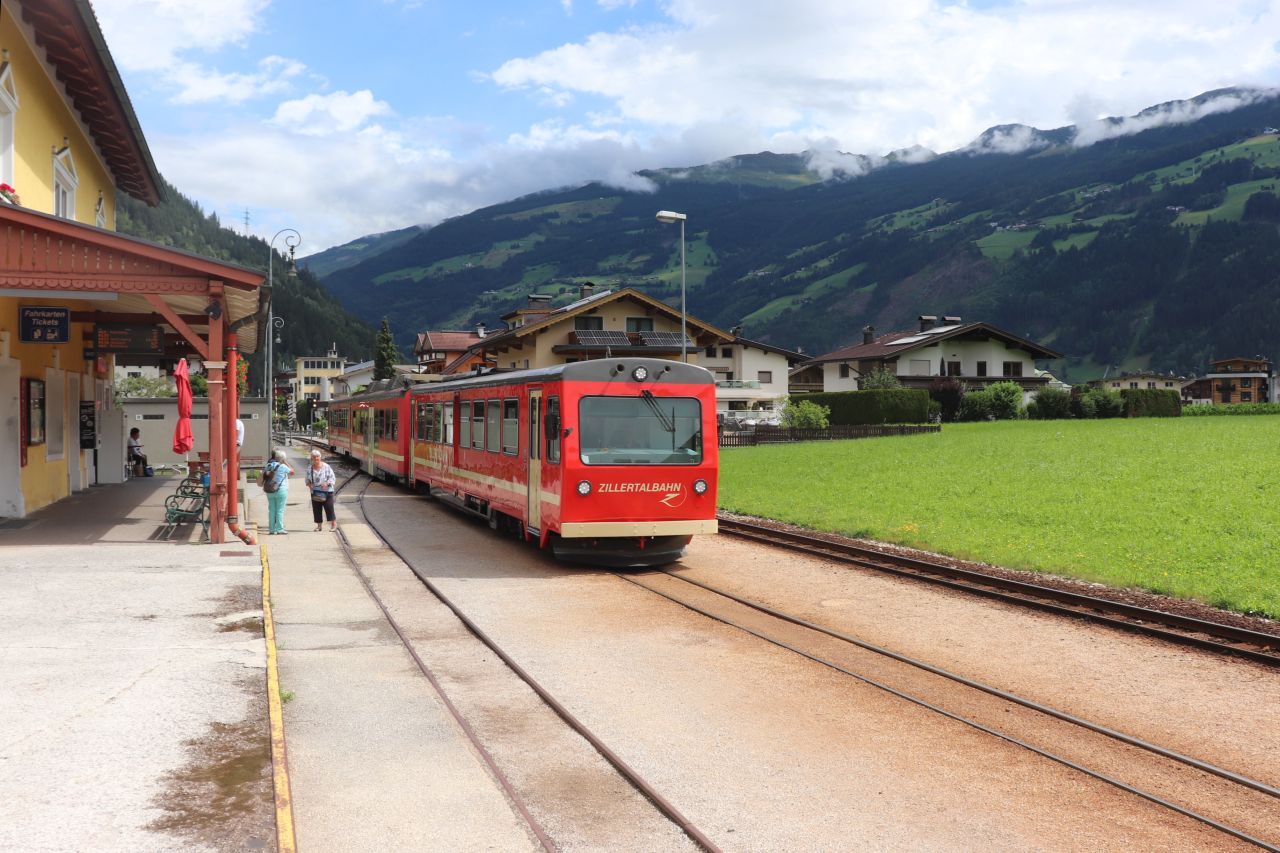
x=76, y=298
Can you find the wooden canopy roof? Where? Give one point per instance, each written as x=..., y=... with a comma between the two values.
x=61, y=258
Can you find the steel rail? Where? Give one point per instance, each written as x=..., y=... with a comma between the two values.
x=1097, y=728
x=915, y=700
x=638, y=782
x=1024, y=594
x=508, y=788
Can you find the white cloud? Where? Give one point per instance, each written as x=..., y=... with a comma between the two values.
x=1181, y=112
x=337, y=112
x=881, y=76
x=158, y=37
x=844, y=81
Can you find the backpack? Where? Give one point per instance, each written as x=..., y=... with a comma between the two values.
x=269, y=482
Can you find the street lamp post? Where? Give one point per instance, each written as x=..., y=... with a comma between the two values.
x=291, y=240
x=669, y=216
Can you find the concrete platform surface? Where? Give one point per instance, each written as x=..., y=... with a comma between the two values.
x=376, y=762
x=132, y=715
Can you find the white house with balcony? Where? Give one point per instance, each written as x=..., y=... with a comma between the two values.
x=751, y=376
x=977, y=354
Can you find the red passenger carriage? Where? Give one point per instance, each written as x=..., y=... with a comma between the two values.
x=612, y=461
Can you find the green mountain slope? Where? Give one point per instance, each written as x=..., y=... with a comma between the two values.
x=314, y=320
x=349, y=254
x=1155, y=249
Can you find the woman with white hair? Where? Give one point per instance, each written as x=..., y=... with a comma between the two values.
x=323, y=485
x=275, y=482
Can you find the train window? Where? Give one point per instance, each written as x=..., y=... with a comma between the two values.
x=553, y=429
x=641, y=430
x=464, y=423
x=495, y=426
x=511, y=427
x=426, y=422
x=477, y=424
x=393, y=424
x=534, y=441
x=448, y=423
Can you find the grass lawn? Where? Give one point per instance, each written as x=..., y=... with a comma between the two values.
x=1185, y=506
x=1003, y=244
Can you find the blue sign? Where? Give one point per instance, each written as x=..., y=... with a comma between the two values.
x=44, y=325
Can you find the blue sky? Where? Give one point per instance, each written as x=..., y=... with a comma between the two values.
x=342, y=119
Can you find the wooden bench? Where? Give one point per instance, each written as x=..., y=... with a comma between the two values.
x=187, y=504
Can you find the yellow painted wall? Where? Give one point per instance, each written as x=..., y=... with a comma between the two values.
x=45, y=481
x=42, y=120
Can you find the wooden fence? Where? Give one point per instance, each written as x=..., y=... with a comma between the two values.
x=780, y=435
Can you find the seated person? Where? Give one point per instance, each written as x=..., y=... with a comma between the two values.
x=137, y=458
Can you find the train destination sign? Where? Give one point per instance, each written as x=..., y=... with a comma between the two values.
x=41, y=324
x=128, y=338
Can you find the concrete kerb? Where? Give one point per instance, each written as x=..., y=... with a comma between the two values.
x=286, y=840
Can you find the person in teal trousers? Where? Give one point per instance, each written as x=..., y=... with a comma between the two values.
x=277, y=469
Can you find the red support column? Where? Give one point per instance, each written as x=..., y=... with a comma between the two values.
x=233, y=450
x=217, y=427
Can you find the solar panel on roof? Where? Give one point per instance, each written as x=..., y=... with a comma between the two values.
x=911, y=340
x=660, y=339
x=602, y=337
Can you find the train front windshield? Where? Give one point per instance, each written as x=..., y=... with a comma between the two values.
x=643, y=430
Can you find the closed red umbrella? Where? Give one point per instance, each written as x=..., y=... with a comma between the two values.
x=182, y=440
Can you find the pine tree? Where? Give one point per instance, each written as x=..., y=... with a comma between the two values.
x=385, y=353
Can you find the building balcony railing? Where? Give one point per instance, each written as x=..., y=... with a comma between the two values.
x=737, y=383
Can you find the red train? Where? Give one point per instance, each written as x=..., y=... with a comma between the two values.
x=611, y=461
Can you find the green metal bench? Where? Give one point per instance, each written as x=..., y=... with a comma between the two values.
x=187, y=504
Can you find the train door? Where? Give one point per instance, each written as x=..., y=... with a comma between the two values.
x=535, y=459
x=371, y=415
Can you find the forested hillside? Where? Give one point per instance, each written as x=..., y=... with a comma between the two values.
x=314, y=320
x=1154, y=249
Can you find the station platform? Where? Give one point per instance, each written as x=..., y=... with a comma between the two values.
x=134, y=712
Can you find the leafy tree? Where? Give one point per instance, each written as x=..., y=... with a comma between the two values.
x=199, y=385
x=144, y=386
x=1050, y=404
x=975, y=406
x=1006, y=401
x=879, y=379
x=947, y=392
x=1100, y=403
x=805, y=414
x=386, y=354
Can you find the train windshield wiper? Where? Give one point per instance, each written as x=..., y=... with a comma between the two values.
x=667, y=424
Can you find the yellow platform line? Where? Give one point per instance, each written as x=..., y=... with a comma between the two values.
x=286, y=840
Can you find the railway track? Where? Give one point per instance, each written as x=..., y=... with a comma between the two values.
x=1192, y=772
x=646, y=789
x=1184, y=630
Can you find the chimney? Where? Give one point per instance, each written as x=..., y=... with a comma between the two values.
x=479, y=330
x=868, y=334
x=539, y=300
x=951, y=321
x=586, y=290
x=927, y=322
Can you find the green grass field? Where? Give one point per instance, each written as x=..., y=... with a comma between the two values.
x=1003, y=244
x=1184, y=506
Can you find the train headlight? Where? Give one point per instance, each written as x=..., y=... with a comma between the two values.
x=584, y=487
x=640, y=374
x=700, y=486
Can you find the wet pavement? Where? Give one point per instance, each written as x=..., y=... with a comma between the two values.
x=131, y=716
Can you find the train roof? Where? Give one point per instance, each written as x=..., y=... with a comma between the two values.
x=595, y=370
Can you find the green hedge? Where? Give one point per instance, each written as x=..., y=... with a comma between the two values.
x=889, y=406
x=1151, y=403
x=1232, y=409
